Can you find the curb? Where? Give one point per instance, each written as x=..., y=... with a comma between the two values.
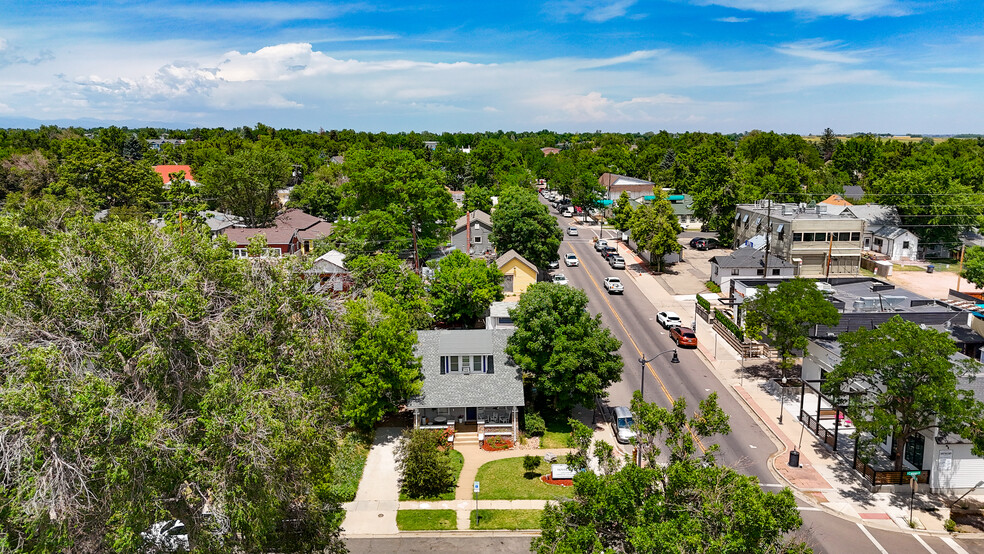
x=450, y=532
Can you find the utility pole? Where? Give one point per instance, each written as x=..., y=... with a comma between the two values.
x=960, y=269
x=830, y=252
x=768, y=236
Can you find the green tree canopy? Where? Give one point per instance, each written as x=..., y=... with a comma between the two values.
x=521, y=223
x=319, y=194
x=463, y=288
x=785, y=315
x=655, y=227
x=568, y=355
x=382, y=369
x=973, y=266
x=245, y=183
x=163, y=379
x=691, y=505
x=390, y=195
x=386, y=273
x=622, y=213
x=911, y=383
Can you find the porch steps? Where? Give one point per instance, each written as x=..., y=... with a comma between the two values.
x=465, y=438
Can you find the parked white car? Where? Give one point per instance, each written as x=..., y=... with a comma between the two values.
x=560, y=279
x=614, y=285
x=570, y=260
x=668, y=319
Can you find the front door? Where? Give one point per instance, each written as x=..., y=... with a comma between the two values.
x=470, y=414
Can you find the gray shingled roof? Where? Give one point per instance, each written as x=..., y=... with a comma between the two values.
x=502, y=388
x=876, y=214
x=477, y=216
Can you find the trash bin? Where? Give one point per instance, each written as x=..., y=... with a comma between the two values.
x=930, y=268
x=794, y=458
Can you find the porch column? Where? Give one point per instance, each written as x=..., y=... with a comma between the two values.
x=416, y=418
x=515, y=423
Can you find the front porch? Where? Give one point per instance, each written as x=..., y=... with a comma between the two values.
x=483, y=420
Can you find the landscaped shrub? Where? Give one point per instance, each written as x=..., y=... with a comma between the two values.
x=531, y=463
x=950, y=525
x=535, y=426
x=497, y=443
x=424, y=463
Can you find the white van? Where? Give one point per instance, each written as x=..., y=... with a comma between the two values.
x=623, y=424
x=569, y=211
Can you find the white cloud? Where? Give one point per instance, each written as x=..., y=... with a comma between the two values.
x=5, y=108
x=595, y=11
x=853, y=9
x=733, y=19
x=817, y=50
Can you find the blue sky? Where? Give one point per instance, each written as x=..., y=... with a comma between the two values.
x=794, y=66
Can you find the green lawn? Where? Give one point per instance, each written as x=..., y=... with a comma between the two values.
x=457, y=460
x=348, y=463
x=506, y=480
x=426, y=520
x=506, y=519
x=557, y=432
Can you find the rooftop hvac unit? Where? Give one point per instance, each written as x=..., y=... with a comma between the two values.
x=866, y=304
x=893, y=303
x=826, y=288
x=821, y=209
x=787, y=209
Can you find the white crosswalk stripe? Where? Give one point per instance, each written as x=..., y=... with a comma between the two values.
x=872, y=539
x=953, y=544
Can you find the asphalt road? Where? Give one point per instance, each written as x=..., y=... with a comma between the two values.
x=632, y=319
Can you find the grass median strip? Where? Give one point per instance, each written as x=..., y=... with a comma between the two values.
x=507, y=480
x=426, y=520
x=505, y=519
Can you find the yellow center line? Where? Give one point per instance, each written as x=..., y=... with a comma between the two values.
x=652, y=370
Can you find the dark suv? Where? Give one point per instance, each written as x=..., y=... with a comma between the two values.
x=608, y=251
x=707, y=244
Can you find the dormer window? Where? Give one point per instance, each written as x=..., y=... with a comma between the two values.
x=467, y=363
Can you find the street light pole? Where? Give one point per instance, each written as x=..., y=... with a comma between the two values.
x=642, y=383
x=782, y=396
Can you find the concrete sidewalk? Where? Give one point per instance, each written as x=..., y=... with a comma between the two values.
x=822, y=478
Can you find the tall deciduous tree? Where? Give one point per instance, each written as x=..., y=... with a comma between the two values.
x=622, y=213
x=655, y=228
x=391, y=195
x=246, y=183
x=382, y=369
x=386, y=273
x=463, y=288
x=911, y=384
x=786, y=314
x=716, y=194
x=521, y=223
x=691, y=505
x=973, y=266
x=569, y=356
x=154, y=377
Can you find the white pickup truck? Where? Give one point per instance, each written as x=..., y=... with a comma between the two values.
x=614, y=285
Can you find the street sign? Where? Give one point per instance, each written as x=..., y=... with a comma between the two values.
x=913, y=473
x=476, y=487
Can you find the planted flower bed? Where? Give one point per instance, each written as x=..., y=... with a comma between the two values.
x=494, y=443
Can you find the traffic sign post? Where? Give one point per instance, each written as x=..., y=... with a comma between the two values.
x=914, y=485
x=478, y=517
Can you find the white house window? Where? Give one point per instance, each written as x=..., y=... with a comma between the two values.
x=734, y=271
x=467, y=363
x=239, y=253
x=905, y=244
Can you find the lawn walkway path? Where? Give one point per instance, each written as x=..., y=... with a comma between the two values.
x=475, y=458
